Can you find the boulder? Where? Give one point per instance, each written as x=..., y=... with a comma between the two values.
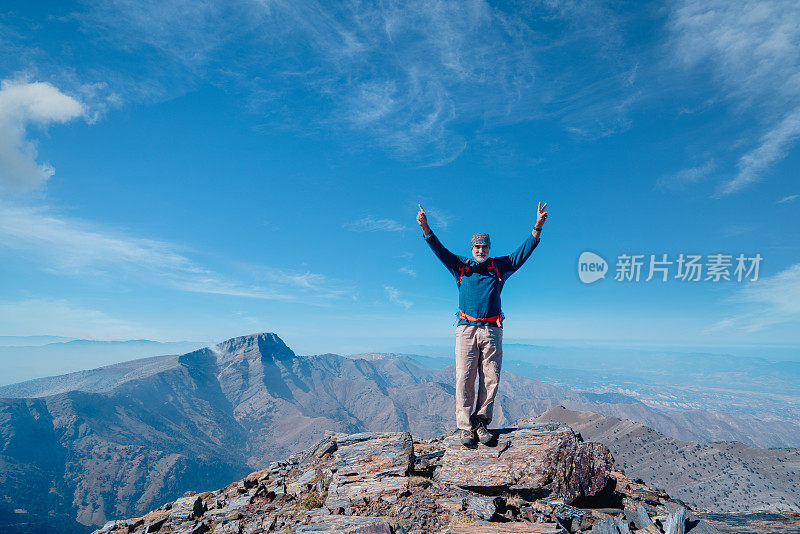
x=547, y=457
x=346, y=524
x=324, y=446
x=701, y=527
x=623, y=525
x=640, y=518
x=482, y=507
x=607, y=525
x=484, y=527
x=676, y=521
x=369, y=466
x=186, y=508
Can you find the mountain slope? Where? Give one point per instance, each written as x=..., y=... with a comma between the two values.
x=134, y=435
x=141, y=435
x=724, y=477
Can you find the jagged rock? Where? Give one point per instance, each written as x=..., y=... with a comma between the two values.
x=155, y=520
x=109, y=526
x=238, y=502
x=192, y=528
x=482, y=507
x=324, y=446
x=567, y=515
x=676, y=521
x=701, y=527
x=369, y=481
x=623, y=525
x=451, y=504
x=186, y=508
x=606, y=525
x=640, y=518
x=484, y=527
x=346, y=524
x=536, y=456
x=369, y=466
x=303, y=483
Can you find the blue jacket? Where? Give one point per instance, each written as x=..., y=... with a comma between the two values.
x=479, y=290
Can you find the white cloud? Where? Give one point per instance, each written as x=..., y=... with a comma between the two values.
x=768, y=301
x=408, y=270
x=22, y=105
x=753, y=50
x=395, y=297
x=789, y=198
x=751, y=46
x=772, y=148
x=76, y=248
x=418, y=77
x=372, y=224
x=686, y=177
x=439, y=218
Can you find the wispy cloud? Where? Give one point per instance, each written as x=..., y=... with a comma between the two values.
x=769, y=301
x=772, y=148
x=373, y=224
x=440, y=218
x=753, y=50
x=418, y=78
x=686, y=177
x=63, y=318
x=77, y=248
x=789, y=198
x=408, y=270
x=395, y=297
x=22, y=105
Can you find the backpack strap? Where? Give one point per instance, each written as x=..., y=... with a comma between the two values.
x=462, y=270
x=496, y=270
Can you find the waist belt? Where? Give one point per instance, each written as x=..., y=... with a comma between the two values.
x=496, y=318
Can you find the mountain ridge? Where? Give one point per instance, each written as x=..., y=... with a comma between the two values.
x=196, y=420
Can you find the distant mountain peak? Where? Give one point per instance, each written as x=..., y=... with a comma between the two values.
x=265, y=344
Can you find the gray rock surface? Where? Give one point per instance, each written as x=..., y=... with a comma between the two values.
x=250, y=506
x=536, y=457
x=369, y=466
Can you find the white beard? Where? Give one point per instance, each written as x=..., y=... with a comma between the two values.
x=480, y=259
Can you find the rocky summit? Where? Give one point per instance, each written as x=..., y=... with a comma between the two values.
x=538, y=477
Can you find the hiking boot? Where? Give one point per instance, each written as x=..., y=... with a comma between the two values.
x=484, y=436
x=467, y=437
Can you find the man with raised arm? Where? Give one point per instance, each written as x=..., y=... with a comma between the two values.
x=479, y=334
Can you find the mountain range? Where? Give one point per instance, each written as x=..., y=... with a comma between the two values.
x=77, y=450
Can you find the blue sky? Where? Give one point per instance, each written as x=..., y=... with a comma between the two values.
x=177, y=170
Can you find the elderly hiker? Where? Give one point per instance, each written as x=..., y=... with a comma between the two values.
x=479, y=334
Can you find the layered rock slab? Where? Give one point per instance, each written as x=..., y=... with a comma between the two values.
x=484, y=527
x=369, y=466
x=536, y=457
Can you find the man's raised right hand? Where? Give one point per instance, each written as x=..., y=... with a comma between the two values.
x=422, y=220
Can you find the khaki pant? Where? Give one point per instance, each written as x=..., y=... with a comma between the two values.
x=479, y=353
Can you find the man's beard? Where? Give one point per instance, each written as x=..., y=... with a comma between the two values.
x=480, y=258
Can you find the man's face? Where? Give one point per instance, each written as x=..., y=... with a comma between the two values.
x=480, y=252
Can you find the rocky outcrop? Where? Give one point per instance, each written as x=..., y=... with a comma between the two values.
x=724, y=477
x=535, y=458
x=369, y=466
x=388, y=483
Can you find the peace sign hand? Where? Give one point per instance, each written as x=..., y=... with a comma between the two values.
x=541, y=215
